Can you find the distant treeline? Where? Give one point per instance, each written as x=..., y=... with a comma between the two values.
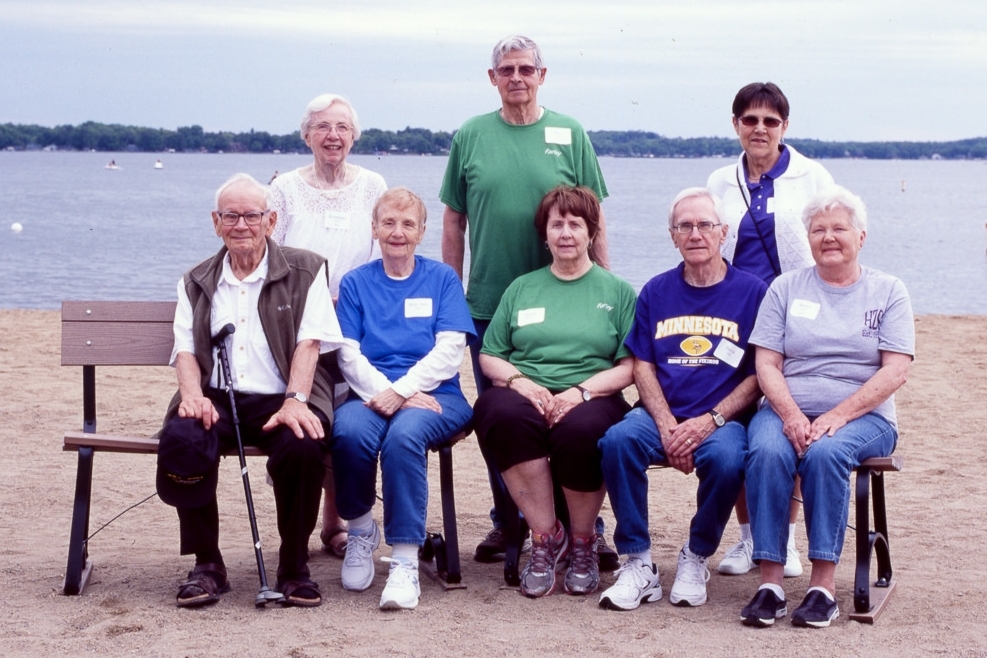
x=91, y=136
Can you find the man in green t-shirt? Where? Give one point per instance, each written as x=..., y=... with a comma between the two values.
x=501, y=164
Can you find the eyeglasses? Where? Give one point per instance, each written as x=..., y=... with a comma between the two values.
x=251, y=218
x=342, y=129
x=750, y=121
x=685, y=228
x=524, y=70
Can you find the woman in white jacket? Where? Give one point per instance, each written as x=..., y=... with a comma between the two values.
x=763, y=196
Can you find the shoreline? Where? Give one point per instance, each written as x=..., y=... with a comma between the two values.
x=938, y=608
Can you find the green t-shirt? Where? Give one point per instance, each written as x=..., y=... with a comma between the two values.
x=560, y=333
x=497, y=175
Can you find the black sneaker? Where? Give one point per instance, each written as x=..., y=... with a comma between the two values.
x=763, y=609
x=608, y=558
x=494, y=546
x=815, y=611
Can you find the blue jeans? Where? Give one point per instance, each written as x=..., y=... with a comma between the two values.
x=402, y=441
x=825, y=471
x=633, y=444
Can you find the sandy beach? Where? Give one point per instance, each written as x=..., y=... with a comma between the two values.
x=936, y=508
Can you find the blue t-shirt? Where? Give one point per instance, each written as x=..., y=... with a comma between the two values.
x=697, y=337
x=757, y=250
x=395, y=321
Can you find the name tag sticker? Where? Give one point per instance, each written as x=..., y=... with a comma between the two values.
x=558, y=135
x=802, y=308
x=729, y=353
x=418, y=307
x=337, y=220
x=770, y=206
x=528, y=316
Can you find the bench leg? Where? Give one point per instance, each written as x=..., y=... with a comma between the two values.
x=869, y=603
x=79, y=565
x=448, y=571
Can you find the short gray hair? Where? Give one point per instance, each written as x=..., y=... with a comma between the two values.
x=237, y=179
x=833, y=198
x=696, y=192
x=320, y=103
x=515, y=42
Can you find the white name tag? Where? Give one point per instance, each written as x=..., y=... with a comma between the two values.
x=418, y=307
x=770, y=205
x=803, y=308
x=729, y=353
x=558, y=135
x=528, y=316
x=337, y=220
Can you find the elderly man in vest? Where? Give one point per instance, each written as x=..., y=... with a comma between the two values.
x=278, y=300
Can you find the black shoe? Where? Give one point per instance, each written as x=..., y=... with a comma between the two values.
x=763, y=609
x=494, y=546
x=608, y=558
x=815, y=611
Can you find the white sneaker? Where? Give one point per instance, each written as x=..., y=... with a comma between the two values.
x=358, y=565
x=689, y=587
x=738, y=559
x=402, y=590
x=793, y=564
x=636, y=584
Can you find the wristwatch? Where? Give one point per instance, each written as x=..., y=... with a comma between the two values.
x=301, y=397
x=718, y=418
x=587, y=396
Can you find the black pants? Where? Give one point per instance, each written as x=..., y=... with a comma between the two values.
x=296, y=468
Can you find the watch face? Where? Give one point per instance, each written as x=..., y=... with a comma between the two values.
x=586, y=396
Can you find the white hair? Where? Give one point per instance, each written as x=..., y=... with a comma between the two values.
x=515, y=42
x=237, y=179
x=833, y=198
x=322, y=102
x=695, y=192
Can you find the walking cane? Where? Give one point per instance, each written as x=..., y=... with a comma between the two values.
x=266, y=594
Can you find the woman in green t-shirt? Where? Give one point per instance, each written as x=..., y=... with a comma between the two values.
x=555, y=353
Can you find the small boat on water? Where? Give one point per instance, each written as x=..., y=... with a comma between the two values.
x=159, y=165
x=112, y=164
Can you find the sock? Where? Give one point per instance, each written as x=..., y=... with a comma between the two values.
x=405, y=553
x=791, y=535
x=644, y=556
x=362, y=526
x=745, y=532
x=779, y=592
x=817, y=588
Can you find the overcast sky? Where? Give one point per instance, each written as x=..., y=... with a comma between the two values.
x=852, y=70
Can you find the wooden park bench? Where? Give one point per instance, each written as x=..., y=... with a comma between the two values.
x=869, y=598
x=111, y=333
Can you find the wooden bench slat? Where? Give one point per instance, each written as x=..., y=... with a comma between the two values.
x=95, y=311
x=892, y=463
x=128, y=444
x=116, y=344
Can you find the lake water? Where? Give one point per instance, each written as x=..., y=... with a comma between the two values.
x=93, y=233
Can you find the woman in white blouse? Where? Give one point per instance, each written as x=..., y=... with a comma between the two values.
x=327, y=207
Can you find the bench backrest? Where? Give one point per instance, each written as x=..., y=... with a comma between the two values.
x=117, y=333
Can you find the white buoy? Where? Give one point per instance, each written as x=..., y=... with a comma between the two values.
x=16, y=227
